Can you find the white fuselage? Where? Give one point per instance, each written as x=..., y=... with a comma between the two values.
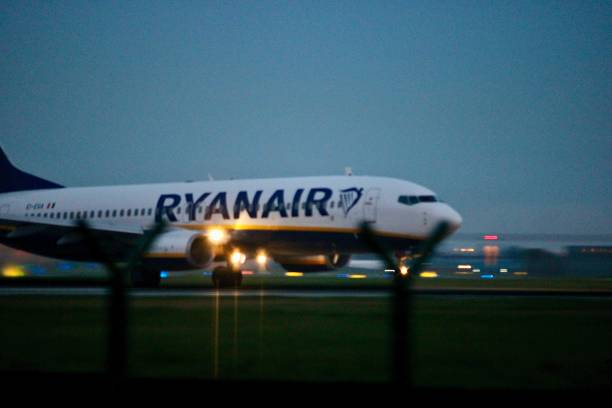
x=285, y=209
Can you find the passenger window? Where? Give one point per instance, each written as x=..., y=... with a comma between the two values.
x=121, y=212
x=150, y=212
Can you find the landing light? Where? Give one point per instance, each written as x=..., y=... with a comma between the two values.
x=262, y=259
x=217, y=236
x=403, y=270
x=237, y=258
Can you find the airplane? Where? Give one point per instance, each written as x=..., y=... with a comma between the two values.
x=307, y=224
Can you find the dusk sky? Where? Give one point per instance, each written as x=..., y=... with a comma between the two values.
x=504, y=108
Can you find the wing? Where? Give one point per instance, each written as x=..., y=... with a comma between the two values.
x=58, y=239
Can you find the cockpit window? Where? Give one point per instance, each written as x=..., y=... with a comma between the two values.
x=427, y=199
x=411, y=200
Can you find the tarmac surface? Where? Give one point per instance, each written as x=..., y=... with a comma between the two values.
x=299, y=292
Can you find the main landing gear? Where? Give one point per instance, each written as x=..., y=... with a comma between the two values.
x=224, y=277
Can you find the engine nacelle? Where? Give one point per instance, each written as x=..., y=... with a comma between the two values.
x=313, y=263
x=180, y=250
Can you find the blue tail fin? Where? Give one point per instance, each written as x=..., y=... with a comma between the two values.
x=13, y=179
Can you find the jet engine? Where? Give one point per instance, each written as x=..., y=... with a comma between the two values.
x=313, y=263
x=180, y=250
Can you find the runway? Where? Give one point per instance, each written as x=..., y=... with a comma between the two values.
x=298, y=292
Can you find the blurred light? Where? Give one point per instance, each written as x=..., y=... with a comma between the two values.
x=207, y=273
x=487, y=276
x=357, y=276
x=476, y=270
x=390, y=270
x=464, y=250
x=463, y=273
x=429, y=274
x=294, y=274
x=342, y=275
x=164, y=275
x=403, y=270
x=464, y=266
x=490, y=237
x=37, y=270
x=261, y=259
x=217, y=236
x=520, y=273
x=503, y=270
x=13, y=271
x=247, y=273
x=237, y=258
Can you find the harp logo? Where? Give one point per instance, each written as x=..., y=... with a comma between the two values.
x=349, y=198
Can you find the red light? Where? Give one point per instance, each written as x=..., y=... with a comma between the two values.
x=491, y=237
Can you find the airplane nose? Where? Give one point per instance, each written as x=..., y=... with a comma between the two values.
x=454, y=219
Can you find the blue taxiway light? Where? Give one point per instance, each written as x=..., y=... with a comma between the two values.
x=164, y=274
x=488, y=276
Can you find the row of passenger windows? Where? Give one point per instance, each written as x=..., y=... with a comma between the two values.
x=76, y=215
x=72, y=215
x=412, y=200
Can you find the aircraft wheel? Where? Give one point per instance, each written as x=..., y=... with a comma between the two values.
x=224, y=277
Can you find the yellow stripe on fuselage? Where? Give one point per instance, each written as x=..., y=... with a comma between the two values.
x=173, y=255
x=296, y=228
